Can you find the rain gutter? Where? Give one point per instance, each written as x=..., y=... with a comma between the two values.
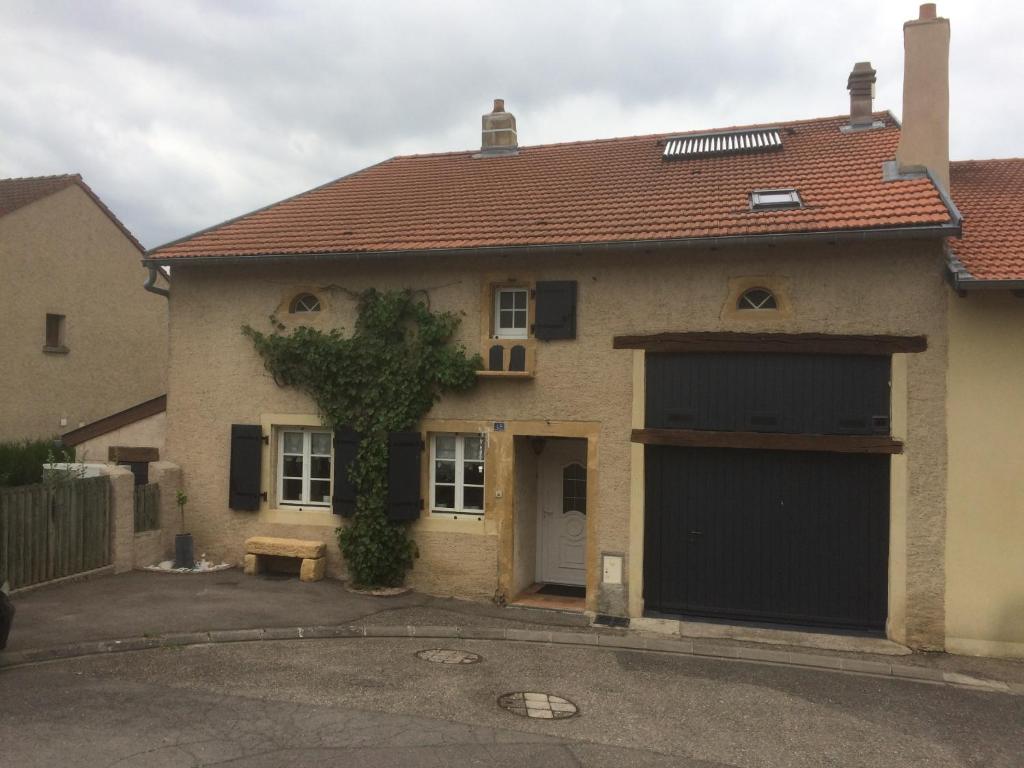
x=150, y=284
x=949, y=229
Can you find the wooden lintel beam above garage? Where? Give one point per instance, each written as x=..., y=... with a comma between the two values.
x=793, y=343
x=699, y=438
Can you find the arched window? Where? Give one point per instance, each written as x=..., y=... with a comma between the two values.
x=757, y=298
x=305, y=302
x=574, y=489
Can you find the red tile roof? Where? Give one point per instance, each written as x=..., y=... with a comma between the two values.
x=17, y=193
x=611, y=190
x=990, y=195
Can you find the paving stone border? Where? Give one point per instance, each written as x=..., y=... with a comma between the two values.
x=621, y=641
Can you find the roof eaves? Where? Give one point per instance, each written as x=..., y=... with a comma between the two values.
x=948, y=229
x=961, y=279
x=110, y=214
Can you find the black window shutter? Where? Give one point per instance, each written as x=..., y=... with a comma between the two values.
x=496, y=358
x=555, y=310
x=517, y=358
x=246, y=463
x=346, y=446
x=404, y=450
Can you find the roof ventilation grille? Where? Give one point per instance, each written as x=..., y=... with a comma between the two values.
x=723, y=143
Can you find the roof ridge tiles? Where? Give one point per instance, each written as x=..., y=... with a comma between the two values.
x=647, y=136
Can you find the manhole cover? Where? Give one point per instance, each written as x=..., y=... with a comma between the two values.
x=448, y=656
x=543, y=706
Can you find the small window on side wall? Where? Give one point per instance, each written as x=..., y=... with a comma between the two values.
x=304, y=303
x=757, y=298
x=511, y=313
x=54, y=341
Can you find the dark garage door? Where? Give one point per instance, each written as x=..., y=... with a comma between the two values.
x=779, y=536
x=796, y=537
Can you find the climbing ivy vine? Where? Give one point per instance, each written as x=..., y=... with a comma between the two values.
x=383, y=378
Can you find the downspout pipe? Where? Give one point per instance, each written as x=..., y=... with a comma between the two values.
x=150, y=284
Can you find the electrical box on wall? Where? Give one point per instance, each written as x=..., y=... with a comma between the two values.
x=611, y=569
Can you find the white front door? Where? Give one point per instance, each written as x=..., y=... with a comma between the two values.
x=562, y=510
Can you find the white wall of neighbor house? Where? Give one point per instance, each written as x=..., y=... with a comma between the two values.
x=985, y=529
x=217, y=379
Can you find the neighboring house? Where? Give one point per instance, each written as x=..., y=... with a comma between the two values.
x=79, y=338
x=716, y=375
x=985, y=529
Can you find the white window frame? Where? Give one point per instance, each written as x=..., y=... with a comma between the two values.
x=745, y=304
x=307, y=465
x=768, y=199
x=459, y=484
x=305, y=304
x=503, y=332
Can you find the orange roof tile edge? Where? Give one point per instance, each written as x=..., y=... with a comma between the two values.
x=990, y=195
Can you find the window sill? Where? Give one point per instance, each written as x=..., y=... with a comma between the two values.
x=505, y=374
x=310, y=516
x=446, y=523
x=61, y=350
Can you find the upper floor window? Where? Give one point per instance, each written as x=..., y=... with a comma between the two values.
x=457, y=473
x=305, y=302
x=55, y=339
x=511, y=313
x=304, y=467
x=757, y=298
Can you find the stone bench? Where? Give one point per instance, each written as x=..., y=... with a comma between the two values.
x=311, y=553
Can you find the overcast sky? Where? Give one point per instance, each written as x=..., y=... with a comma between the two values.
x=181, y=114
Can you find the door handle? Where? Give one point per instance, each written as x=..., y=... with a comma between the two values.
x=696, y=533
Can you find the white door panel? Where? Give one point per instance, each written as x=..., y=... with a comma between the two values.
x=562, y=554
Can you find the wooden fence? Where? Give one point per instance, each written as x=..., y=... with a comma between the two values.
x=54, y=530
x=147, y=507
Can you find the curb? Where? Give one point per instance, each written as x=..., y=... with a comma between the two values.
x=633, y=642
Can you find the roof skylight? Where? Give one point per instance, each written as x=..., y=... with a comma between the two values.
x=767, y=199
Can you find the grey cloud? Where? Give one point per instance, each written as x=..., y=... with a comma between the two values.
x=183, y=114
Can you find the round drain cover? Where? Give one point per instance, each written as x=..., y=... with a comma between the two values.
x=448, y=656
x=543, y=706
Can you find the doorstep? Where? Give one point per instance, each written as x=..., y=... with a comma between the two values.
x=530, y=598
x=770, y=636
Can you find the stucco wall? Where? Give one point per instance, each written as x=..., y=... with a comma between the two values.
x=216, y=378
x=985, y=530
x=144, y=433
x=63, y=255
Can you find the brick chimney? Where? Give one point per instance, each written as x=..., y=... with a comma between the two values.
x=924, y=140
x=862, y=92
x=499, y=132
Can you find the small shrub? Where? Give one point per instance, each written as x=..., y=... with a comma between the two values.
x=21, y=461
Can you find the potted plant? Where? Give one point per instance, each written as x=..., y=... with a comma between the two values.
x=184, y=549
x=6, y=615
